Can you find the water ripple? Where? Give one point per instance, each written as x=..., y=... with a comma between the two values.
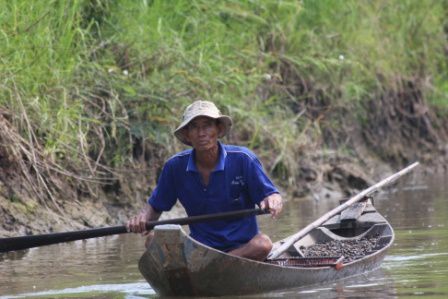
x=398, y=258
x=131, y=290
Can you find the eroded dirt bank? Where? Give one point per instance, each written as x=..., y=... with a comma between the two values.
x=37, y=195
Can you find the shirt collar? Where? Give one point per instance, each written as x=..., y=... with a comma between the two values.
x=191, y=166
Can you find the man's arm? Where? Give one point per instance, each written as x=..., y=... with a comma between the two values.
x=137, y=224
x=274, y=203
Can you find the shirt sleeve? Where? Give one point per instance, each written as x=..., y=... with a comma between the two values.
x=164, y=196
x=259, y=184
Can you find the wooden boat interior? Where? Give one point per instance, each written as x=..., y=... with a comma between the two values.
x=361, y=221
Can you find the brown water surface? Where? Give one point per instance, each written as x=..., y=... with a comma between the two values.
x=416, y=266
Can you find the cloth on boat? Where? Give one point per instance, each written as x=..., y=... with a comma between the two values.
x=237, y=182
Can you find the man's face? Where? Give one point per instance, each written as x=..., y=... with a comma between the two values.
x=202, y=132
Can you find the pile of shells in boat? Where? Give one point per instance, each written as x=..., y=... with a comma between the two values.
x=349, y=249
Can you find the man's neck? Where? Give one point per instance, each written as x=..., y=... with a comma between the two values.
x=207, y=159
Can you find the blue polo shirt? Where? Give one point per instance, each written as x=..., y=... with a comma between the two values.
x=238, y=182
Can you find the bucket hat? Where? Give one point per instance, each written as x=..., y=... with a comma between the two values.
x=202, y=108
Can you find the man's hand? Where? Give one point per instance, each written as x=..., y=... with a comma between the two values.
x=274, y=203
x=137, y=224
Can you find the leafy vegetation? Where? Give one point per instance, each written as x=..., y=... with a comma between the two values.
x=98, y=86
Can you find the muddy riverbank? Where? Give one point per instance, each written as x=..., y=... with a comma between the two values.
x=38, y=195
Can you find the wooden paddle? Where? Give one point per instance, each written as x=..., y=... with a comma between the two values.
x=294, y=238
x=24, y=242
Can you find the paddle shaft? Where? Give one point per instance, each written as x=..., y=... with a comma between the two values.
x=25, y=242
x=294, y=238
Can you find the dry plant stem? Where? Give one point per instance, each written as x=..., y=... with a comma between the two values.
x=82, y=145
x=103, y=146
x=31, y=146
x=28, y=155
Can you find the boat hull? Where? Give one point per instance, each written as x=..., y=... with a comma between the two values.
x=177, y=265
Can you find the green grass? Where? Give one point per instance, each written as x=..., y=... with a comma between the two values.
x=86, y=79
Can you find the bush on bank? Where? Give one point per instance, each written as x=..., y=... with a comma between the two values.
x=95, y=88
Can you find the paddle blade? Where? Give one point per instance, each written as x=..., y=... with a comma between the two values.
x=25, y=242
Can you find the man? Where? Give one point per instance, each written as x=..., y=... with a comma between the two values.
x=210, y=178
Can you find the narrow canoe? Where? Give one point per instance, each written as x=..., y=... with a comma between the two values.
x=177, y=265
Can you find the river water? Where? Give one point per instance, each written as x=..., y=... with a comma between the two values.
x=416, y=266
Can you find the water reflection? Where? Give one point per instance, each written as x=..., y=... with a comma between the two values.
x=103, y=260
x=377, y=284
x=130, y=290
x=417, y=264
